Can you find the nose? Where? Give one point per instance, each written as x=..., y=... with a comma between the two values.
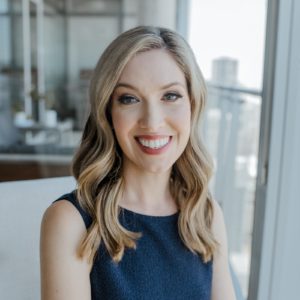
x=152, y=117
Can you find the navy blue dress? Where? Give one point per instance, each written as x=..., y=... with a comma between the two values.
x=160, y=268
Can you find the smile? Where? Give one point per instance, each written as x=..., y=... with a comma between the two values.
x=154, y=143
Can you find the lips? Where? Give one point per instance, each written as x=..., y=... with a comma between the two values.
x=153, y=144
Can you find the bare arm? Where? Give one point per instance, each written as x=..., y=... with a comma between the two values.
x=63, y=274
x=222, y=286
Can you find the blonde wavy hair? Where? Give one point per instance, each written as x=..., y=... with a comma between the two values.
x=97, y=164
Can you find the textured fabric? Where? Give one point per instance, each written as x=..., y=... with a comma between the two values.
x=160, y=268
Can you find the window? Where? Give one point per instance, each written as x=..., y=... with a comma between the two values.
x=45, y=69
x=228, y=40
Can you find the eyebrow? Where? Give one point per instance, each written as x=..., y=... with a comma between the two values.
x=127, y=85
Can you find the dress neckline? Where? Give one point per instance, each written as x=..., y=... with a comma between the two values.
x=153, y=217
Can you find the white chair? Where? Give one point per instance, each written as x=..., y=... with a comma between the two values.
x=22, y=204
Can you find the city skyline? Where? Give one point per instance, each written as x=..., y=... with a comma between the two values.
x=241, y=36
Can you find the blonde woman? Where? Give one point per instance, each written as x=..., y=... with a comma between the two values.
x=141, y=223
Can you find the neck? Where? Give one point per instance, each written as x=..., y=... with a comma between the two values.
x=147, y=192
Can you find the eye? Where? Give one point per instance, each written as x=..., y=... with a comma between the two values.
x=171, y=97
x=127, y=99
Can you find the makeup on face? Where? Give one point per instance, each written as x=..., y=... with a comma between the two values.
x=151, y=111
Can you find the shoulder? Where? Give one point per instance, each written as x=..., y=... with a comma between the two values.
x=64, y=216
x=222, y=287
x=218, y=223
x=62, y=231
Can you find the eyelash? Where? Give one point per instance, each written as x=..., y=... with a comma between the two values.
x=127, y=99
x=177, y=96
x=124, y=99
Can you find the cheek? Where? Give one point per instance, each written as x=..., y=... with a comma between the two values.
x=117, y=122
x=122, y=123
x=182, y=119
x=119, y=128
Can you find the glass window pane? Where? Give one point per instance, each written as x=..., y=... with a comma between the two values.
x=228, y=40
x=46, y=61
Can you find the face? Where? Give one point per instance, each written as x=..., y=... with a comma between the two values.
x=151, y=112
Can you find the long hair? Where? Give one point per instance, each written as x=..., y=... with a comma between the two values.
x=97, y=164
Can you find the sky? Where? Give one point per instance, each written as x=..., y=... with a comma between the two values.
x=231, y=28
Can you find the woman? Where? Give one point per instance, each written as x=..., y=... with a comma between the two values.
x=142, y=223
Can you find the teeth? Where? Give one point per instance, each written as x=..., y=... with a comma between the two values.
x=154, y=144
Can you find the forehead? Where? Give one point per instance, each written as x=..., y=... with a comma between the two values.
x=156, y=66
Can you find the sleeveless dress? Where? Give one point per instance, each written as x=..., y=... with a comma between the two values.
x=160, y=268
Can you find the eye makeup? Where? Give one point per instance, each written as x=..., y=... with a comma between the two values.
x=172, y=96
x=127, y=99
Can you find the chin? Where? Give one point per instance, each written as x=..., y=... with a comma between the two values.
x=158, y=169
